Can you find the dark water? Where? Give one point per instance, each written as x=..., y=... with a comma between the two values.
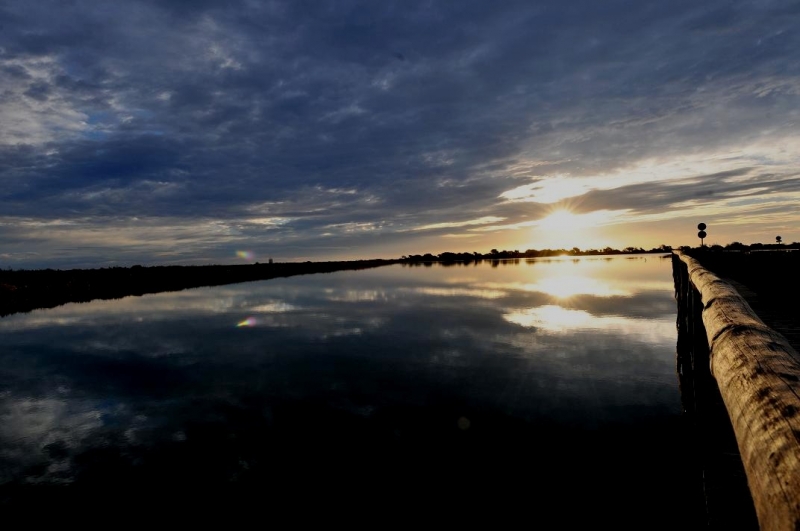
x=533, y=390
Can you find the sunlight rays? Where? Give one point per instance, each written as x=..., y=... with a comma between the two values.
x=564, y=229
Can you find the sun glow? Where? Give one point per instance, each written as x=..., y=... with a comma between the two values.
x=565, y=221
x=565, y=229
x=548, y=190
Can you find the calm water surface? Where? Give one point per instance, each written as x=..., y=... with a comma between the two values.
x=514, y=387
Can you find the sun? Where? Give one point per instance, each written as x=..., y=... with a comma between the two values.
x=565, y=229
x=564, y=221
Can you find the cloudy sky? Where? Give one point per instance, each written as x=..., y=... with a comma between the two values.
x=183, y=131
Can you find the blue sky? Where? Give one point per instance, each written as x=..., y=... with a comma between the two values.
x=184, y=131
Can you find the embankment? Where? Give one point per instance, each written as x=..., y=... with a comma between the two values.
x=758, y=376
x=22, y=291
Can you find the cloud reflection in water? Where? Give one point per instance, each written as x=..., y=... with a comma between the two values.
x=163, y=388
x=555, y=319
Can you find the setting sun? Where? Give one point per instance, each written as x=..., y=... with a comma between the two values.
x=565, y=229
x=562, y=220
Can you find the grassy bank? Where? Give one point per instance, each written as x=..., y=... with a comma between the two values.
x=768, y=280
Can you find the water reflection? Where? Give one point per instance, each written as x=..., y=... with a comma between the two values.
x=563, y=320
x=565, y=286
x=461, y=292
x=392, y=377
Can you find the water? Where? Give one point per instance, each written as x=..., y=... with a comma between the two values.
x=507, y=389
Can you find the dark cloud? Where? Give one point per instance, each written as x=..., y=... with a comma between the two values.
x=191, y=111
x=15, y=71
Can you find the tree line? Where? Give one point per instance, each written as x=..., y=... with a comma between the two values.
x=496, y=254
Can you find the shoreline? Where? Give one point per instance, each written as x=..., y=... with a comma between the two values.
x=766, y=280
x=27, y=290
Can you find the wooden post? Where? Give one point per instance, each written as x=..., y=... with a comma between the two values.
x=758, y=375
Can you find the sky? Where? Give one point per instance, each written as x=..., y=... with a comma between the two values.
x=202, y=131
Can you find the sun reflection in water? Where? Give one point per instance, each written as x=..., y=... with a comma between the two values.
x=569, y=286
x=550, y=317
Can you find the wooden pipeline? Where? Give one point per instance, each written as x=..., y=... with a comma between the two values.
x=758, y=374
